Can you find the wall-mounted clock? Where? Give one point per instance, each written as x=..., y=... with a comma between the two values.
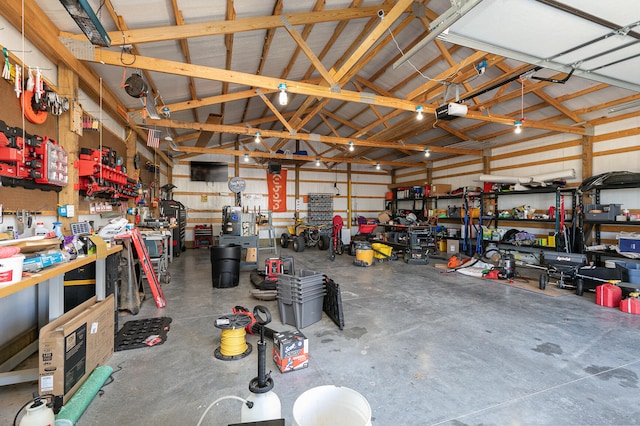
x=237, y=184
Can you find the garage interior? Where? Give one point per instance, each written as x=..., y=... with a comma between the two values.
x=451, y=133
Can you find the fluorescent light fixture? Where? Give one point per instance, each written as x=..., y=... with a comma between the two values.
x=85, y=17
x=624, y=106
x=419, y=110
x=257, y=139
x=351, y=146
x=282, y=96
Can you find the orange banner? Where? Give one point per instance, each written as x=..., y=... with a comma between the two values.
x=277, y=191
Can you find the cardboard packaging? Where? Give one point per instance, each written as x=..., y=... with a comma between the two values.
x=290, y=350
x=453, y=246
x=73, y=345
x=439, y=189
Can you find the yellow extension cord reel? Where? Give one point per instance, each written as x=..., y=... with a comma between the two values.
x=233, y=345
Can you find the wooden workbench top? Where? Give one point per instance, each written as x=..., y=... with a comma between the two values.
x=47, y=273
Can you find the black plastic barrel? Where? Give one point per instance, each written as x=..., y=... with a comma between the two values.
x=225, y=265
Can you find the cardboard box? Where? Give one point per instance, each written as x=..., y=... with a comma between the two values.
x=439, y=189
x=297, y=362
x=290, y=351
x=290, y=343
x=252, y=255
x=453, y=246
x=73, y=345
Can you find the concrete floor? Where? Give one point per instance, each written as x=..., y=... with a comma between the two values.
x=423, y=347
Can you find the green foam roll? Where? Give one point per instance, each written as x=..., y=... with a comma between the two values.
x=72, y=410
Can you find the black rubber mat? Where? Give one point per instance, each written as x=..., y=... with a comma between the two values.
x=332, y=303
x=142, y=333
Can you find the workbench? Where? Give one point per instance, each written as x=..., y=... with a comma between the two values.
x=50, y=300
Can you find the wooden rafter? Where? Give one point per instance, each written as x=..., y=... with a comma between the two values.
x=248, y=131
x=206, y=29
x=187, y=56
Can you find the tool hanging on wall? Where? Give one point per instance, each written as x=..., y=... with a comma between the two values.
x=6, y=70
x=17, y=84
x=30, y=81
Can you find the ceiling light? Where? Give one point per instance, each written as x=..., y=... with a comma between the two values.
x=377, y=166
x=419, y=110
x=85, y=17
x=518, y=125
x=257, y=139
x=246, y=157
x=317, y=161
x=427, y=152
x=351, y=146
x=282, y=97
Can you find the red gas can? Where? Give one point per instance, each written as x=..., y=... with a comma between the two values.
x=608, y=295
x=630, y=305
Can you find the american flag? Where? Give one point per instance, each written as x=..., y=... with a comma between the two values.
x=153, y=138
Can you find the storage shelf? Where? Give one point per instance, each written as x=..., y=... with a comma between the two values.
x=613, y=222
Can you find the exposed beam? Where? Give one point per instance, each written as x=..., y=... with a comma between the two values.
x=390, y=17
x=212, y=100
x=187, y=56
x=209, y=73
x=248, y=131
x=275, y=111
x=205, y=136
x=206, y=29
x=302, y=44
x=307, y=158
x=217, y=74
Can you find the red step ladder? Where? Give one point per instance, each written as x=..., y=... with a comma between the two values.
x=147, y=266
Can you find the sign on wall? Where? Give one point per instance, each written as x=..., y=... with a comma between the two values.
x=277, y=191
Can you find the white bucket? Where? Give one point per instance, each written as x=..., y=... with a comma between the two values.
x=11, y=269
x=331, y=405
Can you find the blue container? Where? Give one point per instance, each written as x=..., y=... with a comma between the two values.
x=634, y=272
x=630, y=271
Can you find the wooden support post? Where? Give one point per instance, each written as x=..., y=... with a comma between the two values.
x=68, y=85
x=349, y=197
x=587, y=154
x=132, y=149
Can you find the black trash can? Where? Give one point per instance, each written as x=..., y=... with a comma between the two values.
x=225, y=265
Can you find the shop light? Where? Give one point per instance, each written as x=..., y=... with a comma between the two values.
x=419, y=110
x=283, y=99
x=518, y=128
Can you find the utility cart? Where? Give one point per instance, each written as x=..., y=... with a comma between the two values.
x=572, y=271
